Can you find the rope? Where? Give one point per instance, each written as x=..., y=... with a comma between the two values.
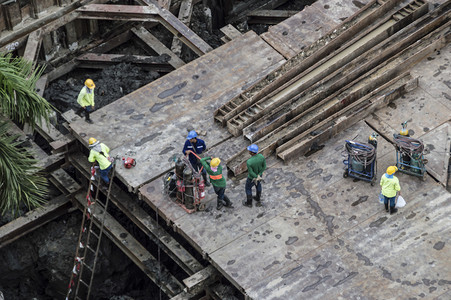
x=363, y=153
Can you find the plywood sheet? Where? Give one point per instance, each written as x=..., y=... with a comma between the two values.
x=437, y=143
x=151, y=123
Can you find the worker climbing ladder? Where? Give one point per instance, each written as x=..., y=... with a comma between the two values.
x=89, y=240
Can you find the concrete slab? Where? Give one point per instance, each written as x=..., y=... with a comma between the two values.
x=150, y=123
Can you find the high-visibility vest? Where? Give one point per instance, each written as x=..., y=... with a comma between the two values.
x=216, y=177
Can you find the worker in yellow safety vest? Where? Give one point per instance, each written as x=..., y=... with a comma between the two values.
x=86, y=99
x=99, y=153
x=390, y=187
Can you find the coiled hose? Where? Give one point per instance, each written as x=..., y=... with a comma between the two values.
x=408, y=145
x=363, y=153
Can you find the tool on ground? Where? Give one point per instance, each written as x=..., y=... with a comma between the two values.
x=128, y=162
x=89, y=239
x=409, y=156
x=361, y=161
x=185, y=185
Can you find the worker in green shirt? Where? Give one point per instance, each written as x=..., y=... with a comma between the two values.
x=214, y=170
x=390, y=187
x=255, y=167
x=86, y=99
x=99, y=153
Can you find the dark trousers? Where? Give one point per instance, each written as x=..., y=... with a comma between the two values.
x=104, y=174
x=249, y=184
x=391, y=200
x=87, y=110
x=220, y=192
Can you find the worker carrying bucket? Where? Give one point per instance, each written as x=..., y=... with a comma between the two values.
x=390, y=188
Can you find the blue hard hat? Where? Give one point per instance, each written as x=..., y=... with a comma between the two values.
x=253, y=148
x=191, y=135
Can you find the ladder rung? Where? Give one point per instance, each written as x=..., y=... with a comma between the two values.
x=89, y=268
x=84, y=283
x=94, y=234
x=94, y=251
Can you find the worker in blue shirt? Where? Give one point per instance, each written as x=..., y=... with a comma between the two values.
x=193, y=144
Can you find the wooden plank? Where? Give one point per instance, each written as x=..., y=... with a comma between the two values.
x=11, y=10
x=33, y=45
x=165, y=4
x=202, y=279
x=41, y=84
x=135, y=251
x=95, y=60
x=148, y=225
x=2, y=20
x=118, y=12
x=112, y=43
x=152, y=42
x=48, y=23
x=34, y=219
x=199, y=85
x=65, y=183
x=270, y=17
x=62, y=142
x=41, y=6
x=437, y=144
x=186, y=9
x=230, y=32
x=62, y=70
x=344, y=118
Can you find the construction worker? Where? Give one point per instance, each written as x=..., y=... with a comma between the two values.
x=390, y=187
x=99, y=152
x=255, y=167
x=214, y=170
x=86, y=99
x=197, y=146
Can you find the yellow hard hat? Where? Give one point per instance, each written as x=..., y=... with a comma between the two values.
x=391, y=170
x=404, y=132
x=215, y=162
x=89, y=83
x=92, y=141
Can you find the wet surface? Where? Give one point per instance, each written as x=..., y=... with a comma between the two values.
x=172, y=91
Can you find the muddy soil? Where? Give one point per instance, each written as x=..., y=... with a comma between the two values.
x=38, y=266
x=111, y=83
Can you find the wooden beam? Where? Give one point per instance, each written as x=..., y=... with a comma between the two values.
x=199, y=281
x=34, y=219
x=64, y=182
x=347, y=117
x=118, y=12
x=33, y=45
x=50, y=22
x=166, y=4
x=97, y=60
x=174, y=25
x=230, y=32
x=12, y=13
x=134, y=250
x=152, y=42
x=185, y=12
x=142, y=219
x=61, y=70
x=269, y=17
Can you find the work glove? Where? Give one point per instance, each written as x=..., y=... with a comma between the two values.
x=259, y=178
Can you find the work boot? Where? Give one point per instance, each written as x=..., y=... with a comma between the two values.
x=393, y=210
x=227, y=202
x=258, y=202
x=386, y=207
x=89, y=121
x=248, y=202
x=204, y=175
x=219, y=204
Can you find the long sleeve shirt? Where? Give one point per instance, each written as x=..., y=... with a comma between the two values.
x=255, y=166
x=85, y=98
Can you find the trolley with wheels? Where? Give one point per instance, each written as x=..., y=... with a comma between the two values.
x=361, y=161
x=409, y=156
